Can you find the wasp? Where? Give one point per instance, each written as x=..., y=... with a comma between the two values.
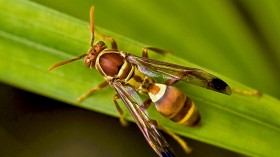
x=131, y=75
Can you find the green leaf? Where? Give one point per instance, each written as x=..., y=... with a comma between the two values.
x=33, y=37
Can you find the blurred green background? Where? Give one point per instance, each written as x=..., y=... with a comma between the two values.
x=236, y=38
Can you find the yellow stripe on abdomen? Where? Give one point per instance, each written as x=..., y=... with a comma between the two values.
x=174, y=104
x=192, y=117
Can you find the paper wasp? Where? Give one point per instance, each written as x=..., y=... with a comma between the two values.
x=129, y=75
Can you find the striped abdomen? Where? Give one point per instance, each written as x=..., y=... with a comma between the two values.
x=174, y=104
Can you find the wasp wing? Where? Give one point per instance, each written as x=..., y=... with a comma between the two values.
x=175, y=72
x=132, y=101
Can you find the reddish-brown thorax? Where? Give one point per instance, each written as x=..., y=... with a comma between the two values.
x=111, y=63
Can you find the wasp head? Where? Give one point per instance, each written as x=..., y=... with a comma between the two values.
x=93, y=53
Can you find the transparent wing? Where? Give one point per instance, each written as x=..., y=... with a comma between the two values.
x=166, y=70
x=132, y=101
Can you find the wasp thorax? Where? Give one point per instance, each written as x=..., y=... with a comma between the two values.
x=174, y=104
x=111, y=63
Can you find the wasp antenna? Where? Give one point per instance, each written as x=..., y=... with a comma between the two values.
x=91, y=16
x=66, y=62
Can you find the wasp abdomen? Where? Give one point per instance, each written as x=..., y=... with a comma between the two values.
x=174, y=104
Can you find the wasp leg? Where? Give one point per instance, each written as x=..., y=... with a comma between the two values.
x=122, y=120
x=106, y=37
x=177, y=138
x=97, y=88
x=247, y=92
x=157, y=50
x=146, y=104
